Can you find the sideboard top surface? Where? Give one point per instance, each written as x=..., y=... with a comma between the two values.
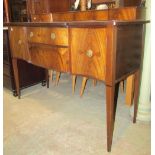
x=90, y=23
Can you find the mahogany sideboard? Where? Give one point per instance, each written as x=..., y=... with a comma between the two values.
x=109, y=51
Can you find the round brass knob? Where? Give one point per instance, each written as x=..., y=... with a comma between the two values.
x=34, y=18
x=19, y=42
x=31, y=34
x=53, y=36
x=89, y=53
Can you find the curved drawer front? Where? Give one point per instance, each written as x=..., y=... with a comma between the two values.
x=52, y=36
x=50, y=57
x=88, y=48
x=18, y=42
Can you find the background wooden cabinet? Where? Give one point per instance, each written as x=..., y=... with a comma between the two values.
x=47, y=6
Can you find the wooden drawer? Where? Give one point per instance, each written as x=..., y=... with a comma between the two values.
x=50, y=57
x=42, y=18
x=88, y=48
x=18, y=42
x=52, y=36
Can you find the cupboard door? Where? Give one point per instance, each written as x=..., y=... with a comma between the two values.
x=88, y=48
x=18, y=42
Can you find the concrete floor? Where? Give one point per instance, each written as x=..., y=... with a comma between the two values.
x=56, y=122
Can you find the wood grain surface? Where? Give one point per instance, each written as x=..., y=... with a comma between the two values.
x=83, y=41
x=52, y=36
x=18, y=42
x=129, y=49
x=50, y=57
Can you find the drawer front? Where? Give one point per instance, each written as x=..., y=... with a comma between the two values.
x=42, y=18
x=88, y=47
x=52, y=36
x=50, y=57
x=18, y=42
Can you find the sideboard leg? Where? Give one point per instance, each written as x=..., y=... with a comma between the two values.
x=84, y=80
x=16, y=76
x=51, y=75
x=136, y=94
x=122, y=86
x=111, y=104
x=73, y=83
x=94, y=82
x=57, y=78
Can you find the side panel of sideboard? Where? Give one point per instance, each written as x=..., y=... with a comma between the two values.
x=129, y=49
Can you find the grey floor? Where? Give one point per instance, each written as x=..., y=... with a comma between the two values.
x=56, y=122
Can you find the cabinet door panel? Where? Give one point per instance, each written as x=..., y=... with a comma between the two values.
x=88, y=47
x=18, y=42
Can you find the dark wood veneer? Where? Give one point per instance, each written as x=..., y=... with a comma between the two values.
x=129, y=49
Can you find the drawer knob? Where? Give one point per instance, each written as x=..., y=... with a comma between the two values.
x=11, y=29
x=19, y=42
x=53, y=36
x=89, y=53
x=31, y=34
x=34, y=18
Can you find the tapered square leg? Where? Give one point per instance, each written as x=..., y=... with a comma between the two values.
x=57, y=78
x=94, y=82
x=84, y=81
x=73, y=83
x=122, y=86
x=136, y=94
x=51, y=75
x=111, y=104
x=16, y=76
